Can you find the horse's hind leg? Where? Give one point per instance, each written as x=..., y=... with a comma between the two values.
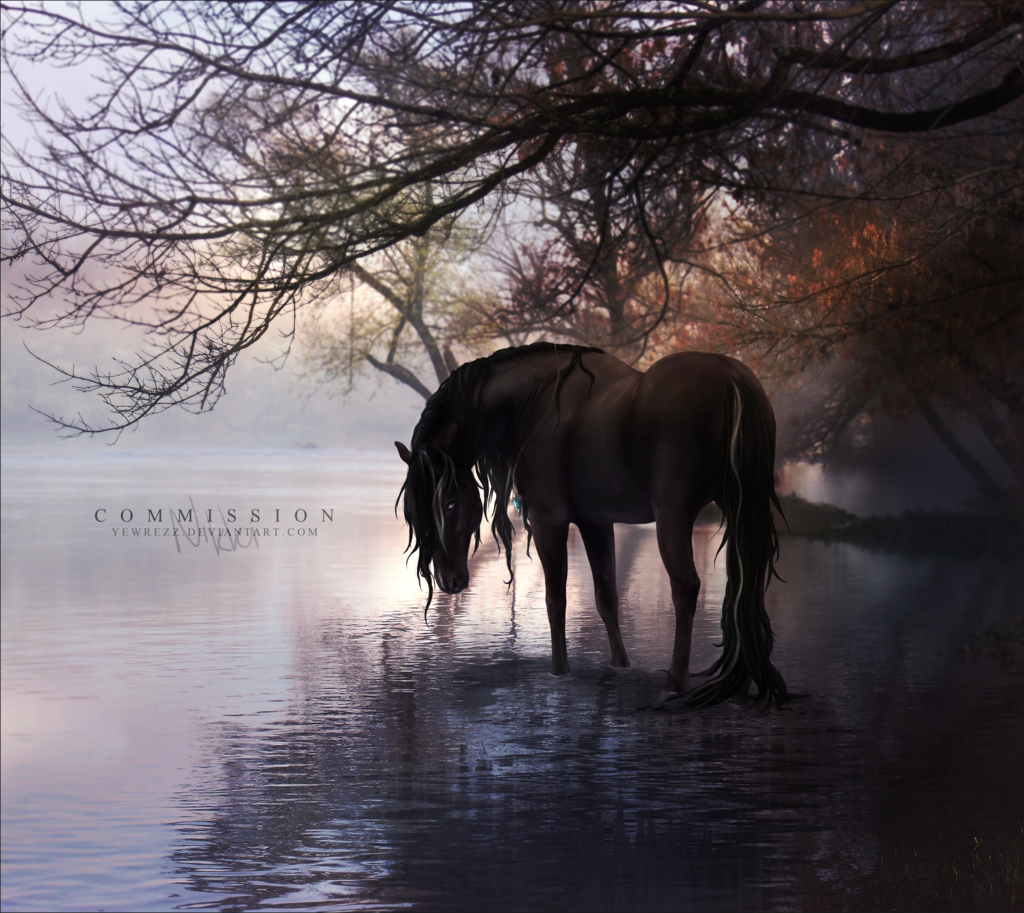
x=550, y=542
x=675, y=541
x=599, y=540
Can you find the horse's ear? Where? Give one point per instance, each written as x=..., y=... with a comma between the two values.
x=404, y=453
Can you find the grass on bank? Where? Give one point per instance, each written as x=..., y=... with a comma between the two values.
x=982, y=876
x=1003, y=641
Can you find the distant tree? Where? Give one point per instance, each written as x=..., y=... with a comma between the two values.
x=407, y=318
x=172, y=181
x=592, y=274
x=597, y=265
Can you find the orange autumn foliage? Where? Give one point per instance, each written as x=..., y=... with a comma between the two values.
x=914, y=304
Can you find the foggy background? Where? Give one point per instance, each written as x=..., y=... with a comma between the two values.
x=907, y=468
x=268, y=406
x=274, y=405
x=264, y=407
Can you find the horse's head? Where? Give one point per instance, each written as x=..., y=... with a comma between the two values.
x=443, y=510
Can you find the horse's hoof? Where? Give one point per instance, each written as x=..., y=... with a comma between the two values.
x=675, y=685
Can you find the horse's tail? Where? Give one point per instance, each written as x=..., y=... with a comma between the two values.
x=751, y=549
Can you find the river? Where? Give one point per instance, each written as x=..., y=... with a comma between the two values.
x=216, y=721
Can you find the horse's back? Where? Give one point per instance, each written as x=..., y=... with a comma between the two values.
x=689, y=368
x=625, y=444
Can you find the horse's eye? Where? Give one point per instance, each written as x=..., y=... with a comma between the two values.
x=451, y=505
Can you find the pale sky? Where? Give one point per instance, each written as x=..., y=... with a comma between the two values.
x=263, y=407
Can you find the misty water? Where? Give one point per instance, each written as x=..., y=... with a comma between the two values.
x=229, y=722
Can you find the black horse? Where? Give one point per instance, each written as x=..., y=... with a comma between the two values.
x=574, y=435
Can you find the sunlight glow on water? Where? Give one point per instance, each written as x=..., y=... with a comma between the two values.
x=277, y=726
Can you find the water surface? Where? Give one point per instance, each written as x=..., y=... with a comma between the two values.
x=237, y=723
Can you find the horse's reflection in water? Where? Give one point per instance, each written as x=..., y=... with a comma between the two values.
x=573, y=435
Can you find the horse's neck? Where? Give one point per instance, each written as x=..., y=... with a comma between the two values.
x=513, y=393
x=445, y=437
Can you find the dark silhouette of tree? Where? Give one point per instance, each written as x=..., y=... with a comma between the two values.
x=910, y=299
x=239, y=156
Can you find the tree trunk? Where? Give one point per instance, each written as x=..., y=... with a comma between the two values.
x=988, y=485
x=451, y=362
x=1005, y=437
x=402, y=375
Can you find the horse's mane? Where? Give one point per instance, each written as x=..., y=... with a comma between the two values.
x=459, y=398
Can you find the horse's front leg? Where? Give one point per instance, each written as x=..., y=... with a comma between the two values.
x=550, y=540
x=675, y=541
x=599, y=540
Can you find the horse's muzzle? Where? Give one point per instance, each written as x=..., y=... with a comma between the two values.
x=453, y=583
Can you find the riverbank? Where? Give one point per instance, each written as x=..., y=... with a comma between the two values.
x=963, y=533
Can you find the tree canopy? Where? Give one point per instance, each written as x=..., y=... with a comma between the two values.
x=237, y=157
x=911, y=305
